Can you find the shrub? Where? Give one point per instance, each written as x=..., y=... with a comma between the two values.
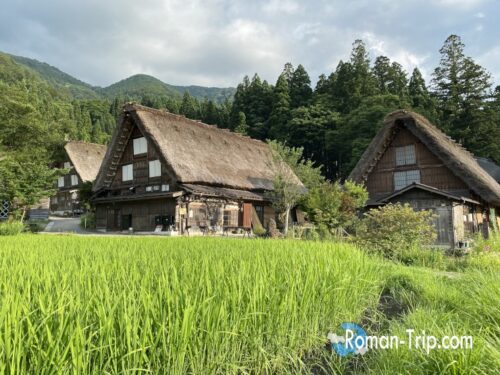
x=11, y=228
x=87, y=220
x=36, y=226
x=394, y=230
x=335, y=206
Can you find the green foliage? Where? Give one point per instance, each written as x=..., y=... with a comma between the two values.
x=333, y=206
x=36, y=226
x=280, y=113
x=11, y=228
x=393, y=230
x=303, y=168
x=24, y=180
x=87, y=220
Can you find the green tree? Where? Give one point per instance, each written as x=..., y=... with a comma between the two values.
x=280, y=113
x=300, y=88
x=188, y=106
x=24, y=180
x=241, y=126
x=419, y=96
x=287, y=189
x=335, y=206
x=462, y=88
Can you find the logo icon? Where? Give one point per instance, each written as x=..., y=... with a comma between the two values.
x=353, y=341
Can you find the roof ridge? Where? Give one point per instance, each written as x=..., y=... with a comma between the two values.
x=85, y=143
x=132, y=106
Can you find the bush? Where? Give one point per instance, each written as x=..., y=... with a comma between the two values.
x=394, y=230
x=87, y=221
x=36, y=226
x=11, y=228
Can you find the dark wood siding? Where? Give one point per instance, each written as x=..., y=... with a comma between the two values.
x=143, y=213
x=140, y=168
x=432, y=171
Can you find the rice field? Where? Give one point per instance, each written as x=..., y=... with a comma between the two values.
x=105, y=305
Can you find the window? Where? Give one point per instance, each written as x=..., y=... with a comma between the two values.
x=230, y=218
x=140, y=146
x=405, y=155
x=74, y=180
x=154, y=168
x=60, y=182
x=405, y=178
x=149, y=189
x=156, y=187
x=128, y=172
x=165, y=187
x=67, y=165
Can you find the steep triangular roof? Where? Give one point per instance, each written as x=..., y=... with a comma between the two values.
x=86, y=158
x=490, y=166
x=196, y=153
x=455, y=157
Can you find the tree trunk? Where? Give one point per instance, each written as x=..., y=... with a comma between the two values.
x=287, y=214
x=23, y=214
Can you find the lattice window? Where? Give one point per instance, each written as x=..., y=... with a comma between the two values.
x=405, y=155
x=405, y=178
x=231, y=218
x=4, y=210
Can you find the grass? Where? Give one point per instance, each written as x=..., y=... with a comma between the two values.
x=72, y=304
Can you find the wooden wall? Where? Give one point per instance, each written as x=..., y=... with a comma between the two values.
x=140, y=168
x=143, y=213
x=432, y=171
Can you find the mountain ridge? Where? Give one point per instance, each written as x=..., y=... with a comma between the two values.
x=135, y=86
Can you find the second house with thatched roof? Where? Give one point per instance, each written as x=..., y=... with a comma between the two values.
x=412, y=161
x=165, y=173
x=82, y=160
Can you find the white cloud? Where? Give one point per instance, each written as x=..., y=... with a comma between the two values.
x=281, y=6
x=408, y=59
x=463, y=4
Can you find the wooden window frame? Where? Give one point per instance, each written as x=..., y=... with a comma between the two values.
x=131, y=166
x=138, y=146
x=154, y=166
x=407, y=177
x=406, y=155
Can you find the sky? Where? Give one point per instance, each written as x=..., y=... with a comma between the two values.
x=217, y=42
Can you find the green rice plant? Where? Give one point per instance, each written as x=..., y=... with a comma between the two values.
x=85, y=304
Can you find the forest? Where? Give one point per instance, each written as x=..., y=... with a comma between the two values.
x=333, y=122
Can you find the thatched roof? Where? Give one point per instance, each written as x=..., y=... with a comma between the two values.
x=455, y=157
x=86, y=158
x=490, y=166
x=197, y=153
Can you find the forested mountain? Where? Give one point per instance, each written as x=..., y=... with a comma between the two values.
x=136, y=86
x=60, y=80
